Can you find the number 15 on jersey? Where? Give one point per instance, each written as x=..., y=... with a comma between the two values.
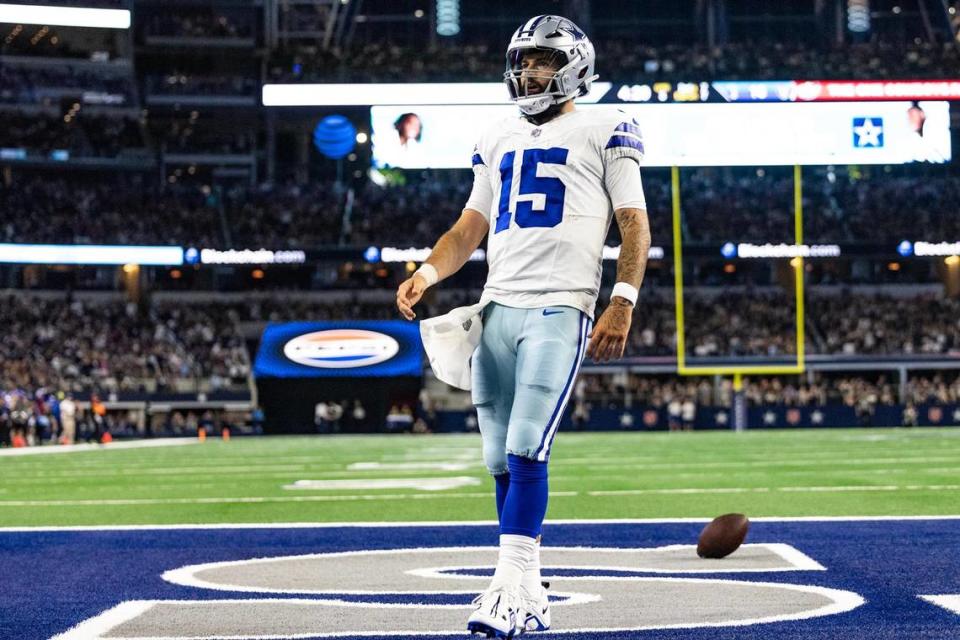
x=551, y=188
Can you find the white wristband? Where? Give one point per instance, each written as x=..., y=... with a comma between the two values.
x=429, y=273
x=626, y=291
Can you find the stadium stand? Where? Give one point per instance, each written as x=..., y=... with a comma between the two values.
x=868, y=208
x=299, y=201
x=391, y=62
x=195, y=22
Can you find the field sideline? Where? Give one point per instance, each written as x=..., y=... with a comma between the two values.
x=828, y=472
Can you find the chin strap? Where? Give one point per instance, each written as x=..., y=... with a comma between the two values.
x=546, y=115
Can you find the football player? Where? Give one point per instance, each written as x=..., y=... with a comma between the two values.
x=546, y=186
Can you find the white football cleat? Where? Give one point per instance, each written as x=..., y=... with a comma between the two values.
x=536, y=608
x=498, y=614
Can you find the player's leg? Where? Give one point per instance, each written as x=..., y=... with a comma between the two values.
x=497, y=610
x=493, y=379
x=551, y=349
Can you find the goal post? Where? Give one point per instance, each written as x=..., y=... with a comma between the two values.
x=797, y=263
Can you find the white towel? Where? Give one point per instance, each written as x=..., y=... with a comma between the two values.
x=450, y=341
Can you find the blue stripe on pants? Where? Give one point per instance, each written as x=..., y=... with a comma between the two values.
x=543, y=450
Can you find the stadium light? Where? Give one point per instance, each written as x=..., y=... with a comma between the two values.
x=858, y=16
x=448, y=17
x=65, y=16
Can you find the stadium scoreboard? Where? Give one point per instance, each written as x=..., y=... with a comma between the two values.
x=705, y=123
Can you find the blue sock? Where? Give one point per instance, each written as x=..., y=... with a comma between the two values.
x=525, y=504
x=503, y=485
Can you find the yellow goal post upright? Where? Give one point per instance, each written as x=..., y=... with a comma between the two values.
x=738, y=371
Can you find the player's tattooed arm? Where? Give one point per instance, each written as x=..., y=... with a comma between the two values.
x=609, y=337
x=449, y=254
x=635, y=232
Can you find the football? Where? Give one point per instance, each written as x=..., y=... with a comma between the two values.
x=723, y=535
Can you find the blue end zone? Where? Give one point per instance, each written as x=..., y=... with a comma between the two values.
x=52, y=580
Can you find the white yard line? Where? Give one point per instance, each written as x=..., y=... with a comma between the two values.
x=113, y=446
x=617, y=461
x=815, y=489
x=420, y=484
x=455, y=496
x=457, y=523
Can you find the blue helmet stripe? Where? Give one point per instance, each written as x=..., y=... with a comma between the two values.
x=532, y=24
x=624, y=141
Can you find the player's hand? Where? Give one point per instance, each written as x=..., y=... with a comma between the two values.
x=409, y=293
x=609, y=336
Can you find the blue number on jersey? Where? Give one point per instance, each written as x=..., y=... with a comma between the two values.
x=506, y=183
x=552, y=189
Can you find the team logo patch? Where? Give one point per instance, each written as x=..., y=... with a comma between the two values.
x=341, y=348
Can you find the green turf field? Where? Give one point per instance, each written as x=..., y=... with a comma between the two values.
x=833, y=472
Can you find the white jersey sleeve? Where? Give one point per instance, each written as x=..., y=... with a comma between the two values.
x=623, y=141
x=622, y=153
x=481, y=196
x=622, y=180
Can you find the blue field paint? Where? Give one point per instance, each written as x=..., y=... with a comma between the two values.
x=52, y=580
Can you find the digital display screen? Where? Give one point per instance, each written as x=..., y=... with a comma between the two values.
x=340, y=349
x=738, y=134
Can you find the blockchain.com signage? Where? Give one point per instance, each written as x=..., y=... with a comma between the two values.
x=339, y=349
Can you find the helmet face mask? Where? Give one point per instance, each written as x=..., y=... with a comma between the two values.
x=540, y=66
x=559, y=58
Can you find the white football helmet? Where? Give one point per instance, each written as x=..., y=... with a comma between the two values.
x=575, y=59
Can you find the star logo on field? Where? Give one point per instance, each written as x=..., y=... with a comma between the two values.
x=769, y=417
x=867, y=132
x=721, y=418
x=816, y=417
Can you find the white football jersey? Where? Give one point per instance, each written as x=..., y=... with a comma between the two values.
x=549, y=192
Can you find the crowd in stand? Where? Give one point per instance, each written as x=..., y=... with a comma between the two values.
x=751, y=323
x=194, y=23
x=192, y=136
x=46, y=84
x=717, y=324
x=75, y=346
x=286, y=216
x=721, y=203
x=83, y=134
x=108, y=346
x=126, y=209
x=766, y=60
x=623, y=60
x=45, y=42
x=57, y=351
x=53, y=348
x=919, y=325
x=183, y=84
x=718, y=205
x=858, y=392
